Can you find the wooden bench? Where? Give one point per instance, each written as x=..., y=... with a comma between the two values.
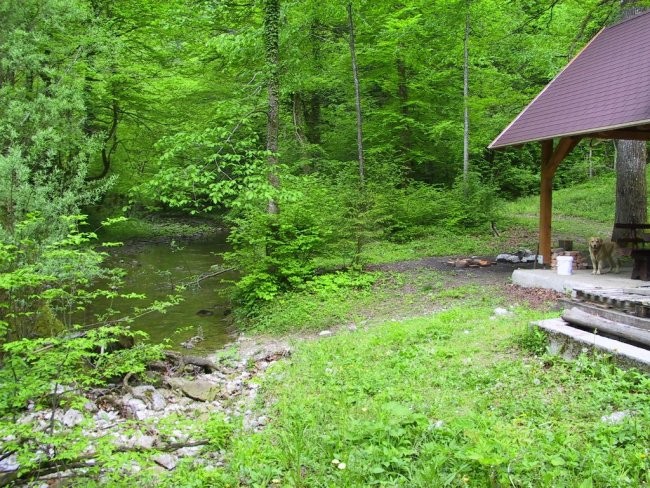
x=640, y=255
x=638, y=236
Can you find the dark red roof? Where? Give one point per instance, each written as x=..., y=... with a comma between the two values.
x=606, y=86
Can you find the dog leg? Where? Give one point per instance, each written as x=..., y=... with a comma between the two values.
x=594, y=264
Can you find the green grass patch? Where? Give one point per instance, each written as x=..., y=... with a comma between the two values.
x=447, y=400
x=440, y=242
x=370, y=297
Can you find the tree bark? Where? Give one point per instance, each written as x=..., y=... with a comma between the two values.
x=631, y=187
x=406, y=133
x=631, y=158
x=357, y=98
x=466, y=93
x=272, y=48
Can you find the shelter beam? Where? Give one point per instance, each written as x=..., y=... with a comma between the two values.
x=552, y=156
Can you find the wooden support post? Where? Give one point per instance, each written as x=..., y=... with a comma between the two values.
x=551, y=159
x=546, y=202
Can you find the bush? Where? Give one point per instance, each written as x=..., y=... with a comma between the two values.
x=413, y=211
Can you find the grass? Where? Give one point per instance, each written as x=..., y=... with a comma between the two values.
x=578, y=212
x=439, y=243
x=446, y=400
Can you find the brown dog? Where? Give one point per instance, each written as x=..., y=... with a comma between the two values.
x=603, y=252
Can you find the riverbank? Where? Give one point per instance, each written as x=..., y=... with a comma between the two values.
x=458, y=392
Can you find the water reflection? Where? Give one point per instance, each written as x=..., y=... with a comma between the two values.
x=157, y=270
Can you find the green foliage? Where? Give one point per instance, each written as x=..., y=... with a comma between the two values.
x=534, y=340
x=417, y=210
x=215, y=168
x=46, y=146
x=277, y=253
x=34, y=370
x=43, y=282
x=321, y=302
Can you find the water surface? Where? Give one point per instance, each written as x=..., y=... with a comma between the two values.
x=156, y=270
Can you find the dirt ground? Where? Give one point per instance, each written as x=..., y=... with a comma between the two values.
x=497, y=275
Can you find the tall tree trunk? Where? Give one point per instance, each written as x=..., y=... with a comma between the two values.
x=272, y=48
x=631, y=207
x=631, y=158
x=466, y=93
x=312, y=99
x=357, y=98
x=406, y=133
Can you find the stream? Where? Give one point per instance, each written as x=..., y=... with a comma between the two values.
x=154, y=269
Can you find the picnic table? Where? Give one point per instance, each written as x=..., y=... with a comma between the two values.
x=638, y=238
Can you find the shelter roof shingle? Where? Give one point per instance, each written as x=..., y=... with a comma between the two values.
x=606, y=86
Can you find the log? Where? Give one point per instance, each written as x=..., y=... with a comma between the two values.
x=194, y=360
x=584, y=319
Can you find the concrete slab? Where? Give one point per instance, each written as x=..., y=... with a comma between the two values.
x=570, y=342
x=581, y=279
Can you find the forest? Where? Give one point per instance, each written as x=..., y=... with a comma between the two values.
x=330, y=141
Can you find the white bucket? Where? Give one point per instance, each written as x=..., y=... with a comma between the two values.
x=564, y=265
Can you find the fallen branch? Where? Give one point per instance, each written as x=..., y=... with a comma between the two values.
x=204, y=276
x=193, y=360
x=48, y=467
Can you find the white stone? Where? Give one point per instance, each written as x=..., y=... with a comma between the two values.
x=137, y=409
x=325, y=333
x=438, y=424
x=142, y=441
x=167, y=461
x=615, y=417
x=72, y=417
x=10, y=463
x=158, y=401
x=500, y=312
x=189, y=451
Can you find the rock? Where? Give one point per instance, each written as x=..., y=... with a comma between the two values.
x=325, y=333
x=104, y=416
x=501, y=312
x=10, y=463
x=158, y=401
x=136, y=408
x=615, y=417
x=189, y=451
x=529, y=259
x=201, y=390
x=152, y=398
x=72, y=417
x=90, y=407
x=508, y=258
x=263, y=365
x=142, y=441
x=143, y=392
x=352, y=327
x=167, y=461
x=233, y=387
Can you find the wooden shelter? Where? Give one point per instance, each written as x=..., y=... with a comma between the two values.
x=604, y=92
